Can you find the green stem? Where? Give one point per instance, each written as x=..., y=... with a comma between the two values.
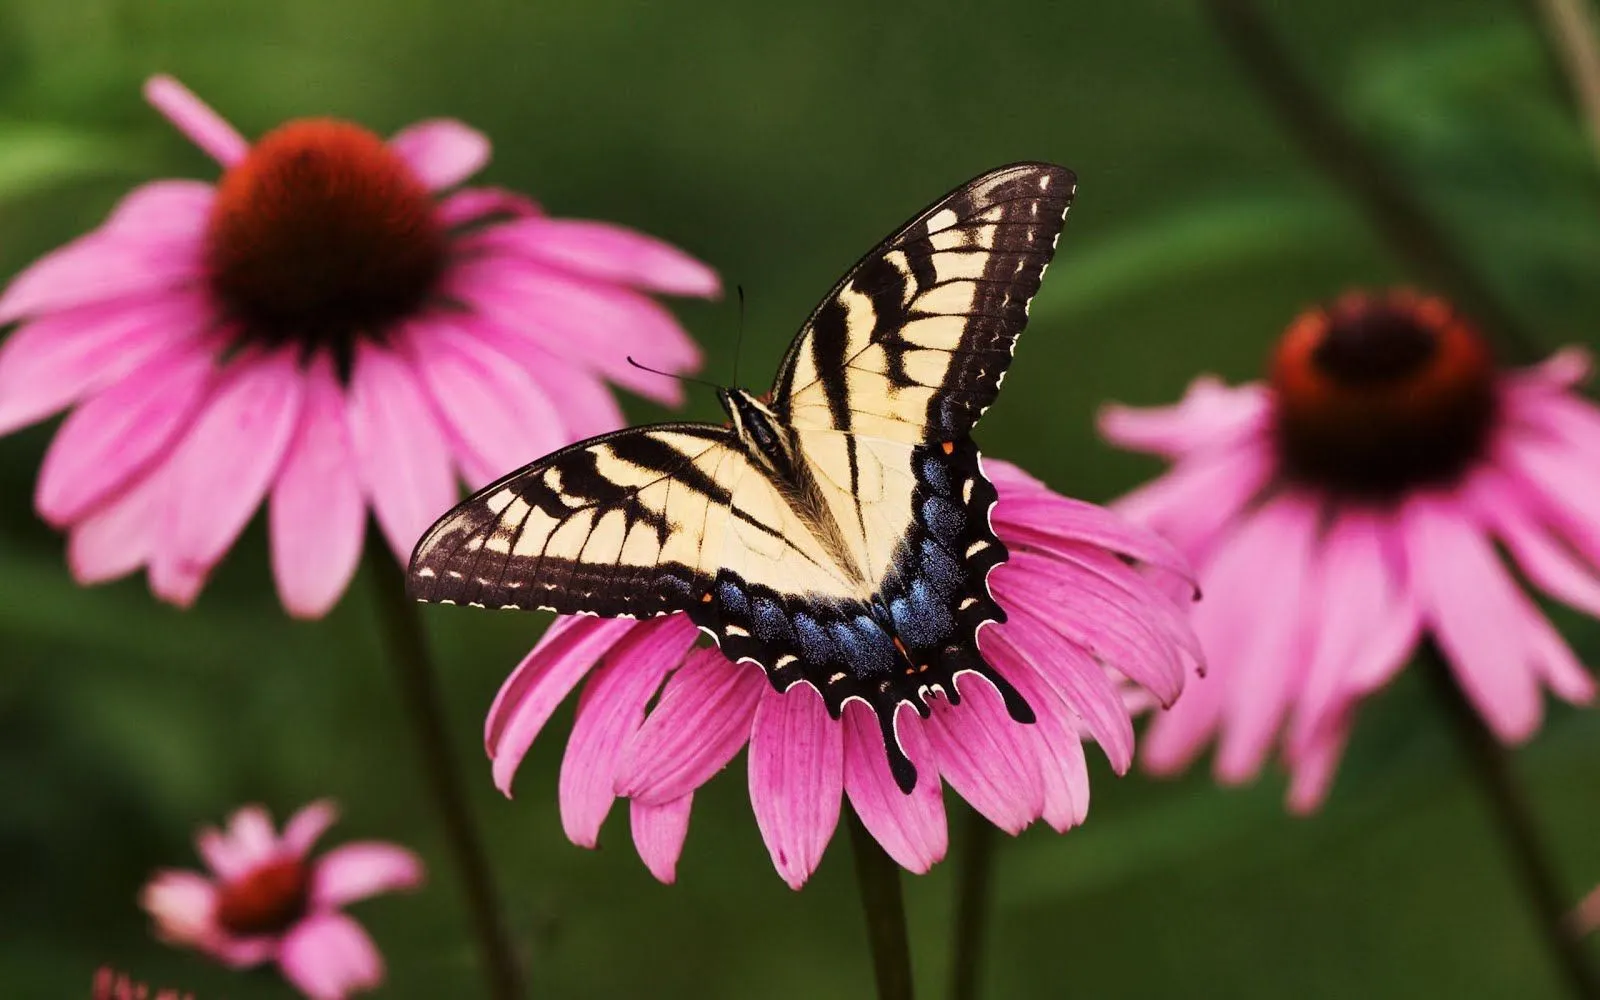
x=878, y=878
x=1531, y=861
x=1572, y=37
x=419, y=688
x=974, y=887
x=1398, y=219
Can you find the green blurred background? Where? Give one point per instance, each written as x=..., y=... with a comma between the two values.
x=778, y=142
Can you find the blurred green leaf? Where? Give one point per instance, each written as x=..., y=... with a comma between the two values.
x=36, y=157
x=1183, y=243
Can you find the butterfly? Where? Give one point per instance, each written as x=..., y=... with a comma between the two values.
x=835, y=532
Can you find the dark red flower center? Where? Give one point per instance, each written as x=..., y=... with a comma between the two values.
x=322, y=234
x=1377, y=394
x=266, y=900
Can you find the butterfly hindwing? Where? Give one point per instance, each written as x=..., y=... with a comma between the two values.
x=629, y=523
x=899, y=624
x=913, y=342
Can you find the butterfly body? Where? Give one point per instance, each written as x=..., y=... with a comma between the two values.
x=836, y=532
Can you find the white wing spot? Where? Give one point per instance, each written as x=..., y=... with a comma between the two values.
x=976, y=547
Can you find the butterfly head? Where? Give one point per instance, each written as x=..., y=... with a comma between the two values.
x=753, y=420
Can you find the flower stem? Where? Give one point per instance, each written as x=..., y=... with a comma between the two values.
x=1572, y=34
x=419, y=687
x=1531, y=860
x=878, y=878
x=973, y=890
x=1398, y=219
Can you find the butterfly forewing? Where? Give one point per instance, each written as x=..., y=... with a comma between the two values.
x=629, y=523
x=913, y=342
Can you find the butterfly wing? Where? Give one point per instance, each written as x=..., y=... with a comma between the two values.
x=911, y=345
x=625, y=524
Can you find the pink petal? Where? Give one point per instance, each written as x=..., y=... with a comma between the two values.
x=1364, y=633
x=604, y=252
x=658, y=834
x=1476, y=614
x=1313, y=769
x=360, y=869
x=1554, y=661
x=1055, y=740
x=225, y=859
x=609, y=713
x=1043, y=517
x=51, y=363
x=1201, y=496
x=305, y=827
x=195, y=119
x=102, y=268
x=593, y=325
x=911, y=828
x=118, y=434
x=400, y=450
x=182, y=904
x=442, y=152
x=796, y=778
x=1554, y=481
x=473, y=205
x=240, y=953
x=495, y=412
x=1258, y=623
x=1078, y=678
x=121, y=535
x=317, y=517
x=169, y=213
x=1117, y=635
x=1210, y=415
x=585, y=404
x=251, y=833
x=1547, y=561
x=985, y=757
x=223, y=467
x=702, y=720
x=327, y=956
x=564, y=654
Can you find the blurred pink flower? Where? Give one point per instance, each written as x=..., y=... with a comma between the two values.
x=109, y=984
x=1350, y=509
x=267, y=900
x=1077, y=611
x=326, y=328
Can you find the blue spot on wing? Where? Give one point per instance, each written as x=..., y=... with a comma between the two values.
x=935, y=474
x=733, y=599
x=771, y=624
x=943, y=518
x=943, y=572
x=920, y=617
x=815, y=644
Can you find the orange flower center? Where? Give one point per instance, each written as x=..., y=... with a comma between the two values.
x=322, y=234
x=266, y=900
x=1377, y=394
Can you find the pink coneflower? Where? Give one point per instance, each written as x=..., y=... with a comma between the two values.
x=1350, y=509
x=267, y=900
x=325, y=327
x=659, y=717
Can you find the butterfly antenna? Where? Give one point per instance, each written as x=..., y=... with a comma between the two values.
x=680, y=378
x=738, y=344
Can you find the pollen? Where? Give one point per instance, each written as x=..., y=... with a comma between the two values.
x=1378, y=393
x=268, y=899
x=321, y=234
